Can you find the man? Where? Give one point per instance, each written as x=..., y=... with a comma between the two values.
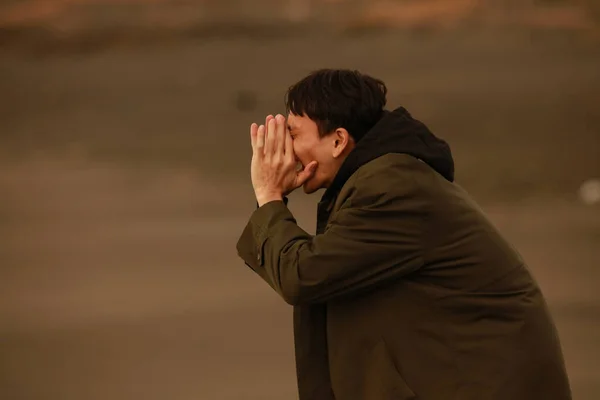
x=407, y=291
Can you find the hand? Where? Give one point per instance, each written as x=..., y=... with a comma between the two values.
x=273, y=168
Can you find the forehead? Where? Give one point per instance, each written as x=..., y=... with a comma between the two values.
x=298, y=122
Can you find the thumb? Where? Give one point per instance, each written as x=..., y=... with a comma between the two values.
x=307, y=173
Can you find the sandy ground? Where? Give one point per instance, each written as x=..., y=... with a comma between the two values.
x=124, y=187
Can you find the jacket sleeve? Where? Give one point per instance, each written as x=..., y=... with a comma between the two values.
x=375, y=237
x=285, y=201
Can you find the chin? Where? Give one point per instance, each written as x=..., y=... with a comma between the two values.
x=311, y=186
x=309, y=190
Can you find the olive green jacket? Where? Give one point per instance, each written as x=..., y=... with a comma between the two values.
x=407, y=291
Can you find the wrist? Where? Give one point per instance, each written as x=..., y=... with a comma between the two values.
x=263, y=199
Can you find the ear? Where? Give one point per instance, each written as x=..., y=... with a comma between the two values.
x=342, y=142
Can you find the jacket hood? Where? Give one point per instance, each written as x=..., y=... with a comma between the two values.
x=396, y=132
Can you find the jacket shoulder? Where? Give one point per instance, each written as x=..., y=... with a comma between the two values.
x=392, y=165
x=392, y=176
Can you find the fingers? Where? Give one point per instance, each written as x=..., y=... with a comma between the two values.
x=289, y=146
x=281, y=131
x=307, y=173
x=271, y=138
x=260, y=140
x=267, y=120
x=269, y=117
x=253, y=135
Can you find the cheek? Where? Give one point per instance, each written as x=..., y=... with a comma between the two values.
x=300, y=151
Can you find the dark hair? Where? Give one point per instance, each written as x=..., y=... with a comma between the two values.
x=338, y=98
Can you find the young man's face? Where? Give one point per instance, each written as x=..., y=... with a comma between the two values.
x=309, y=146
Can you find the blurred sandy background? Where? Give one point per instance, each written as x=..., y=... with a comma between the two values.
x=124, y=174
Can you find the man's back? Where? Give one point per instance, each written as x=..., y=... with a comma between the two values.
x=470, y=323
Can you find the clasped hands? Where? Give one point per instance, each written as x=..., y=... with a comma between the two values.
x=274, y=169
